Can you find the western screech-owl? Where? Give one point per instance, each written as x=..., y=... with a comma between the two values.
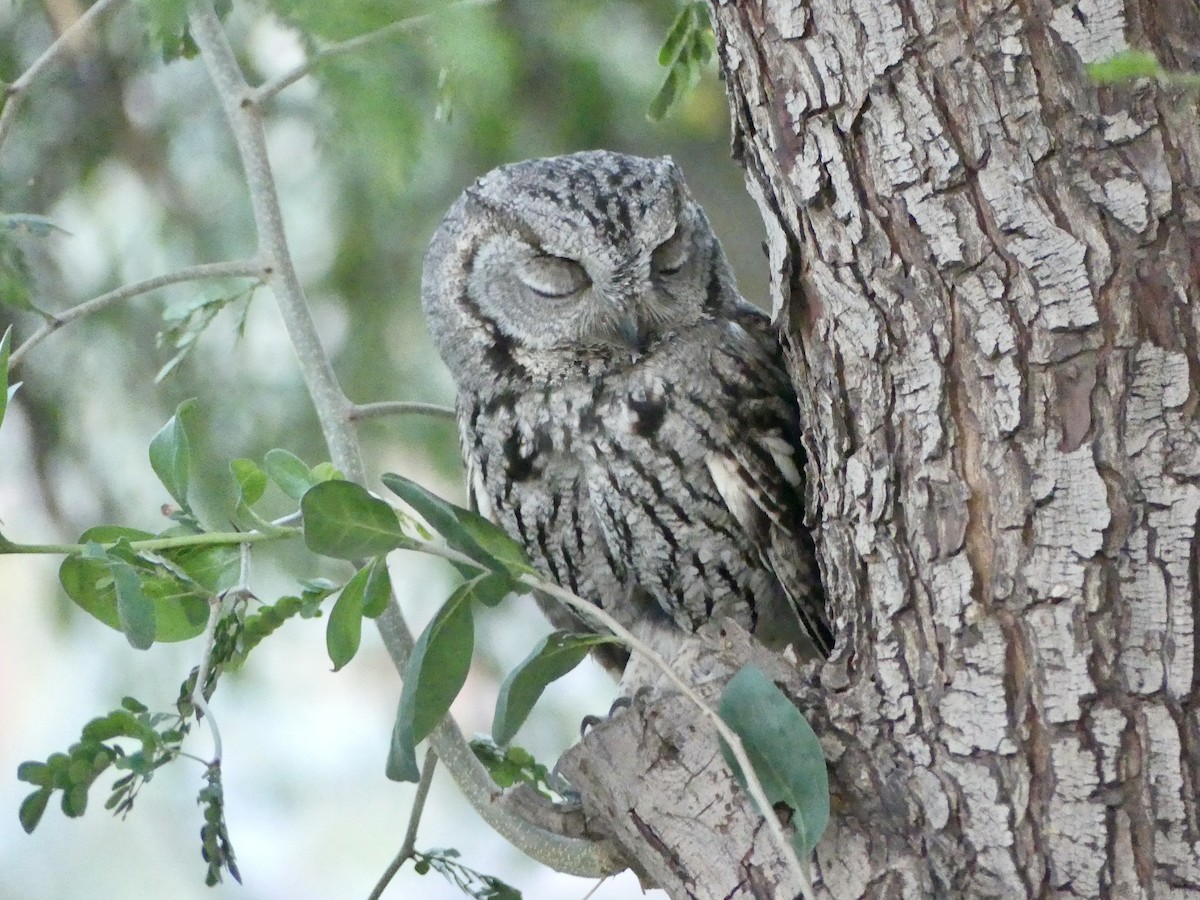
x=624, y=413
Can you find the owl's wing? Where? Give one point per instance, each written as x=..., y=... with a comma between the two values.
x=760, y=472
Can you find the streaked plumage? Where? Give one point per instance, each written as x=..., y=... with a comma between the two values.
x=624, y=412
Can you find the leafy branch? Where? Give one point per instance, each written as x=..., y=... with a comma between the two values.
x=269, y=89
x=244, y=113
x=686, y=50
x=343, y=520
x=244, y=268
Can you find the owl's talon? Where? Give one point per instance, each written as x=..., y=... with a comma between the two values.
x=619, y=704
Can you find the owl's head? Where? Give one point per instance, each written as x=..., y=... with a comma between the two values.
x=595, y=252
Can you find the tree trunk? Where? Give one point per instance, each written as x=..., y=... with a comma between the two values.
x=987, y=270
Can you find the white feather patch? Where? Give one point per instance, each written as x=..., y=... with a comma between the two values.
x=781, y=452
x=483, y=503
x=732, y=488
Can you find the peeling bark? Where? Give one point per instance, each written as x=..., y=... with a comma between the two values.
x=987, y=272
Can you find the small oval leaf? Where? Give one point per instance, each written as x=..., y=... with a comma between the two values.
x=289, y=472
x=343, y=631
x=135, y=611
x=492, y=587
x=251, y=480
x=170, y=454
x=180, y=607
x=32, y=808
x=435, y=674
x=379, y=589
x=465, y=531
x=554, y=656
x=343, y=520
x=782, y=748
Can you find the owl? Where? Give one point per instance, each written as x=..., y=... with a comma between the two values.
x=624, y=413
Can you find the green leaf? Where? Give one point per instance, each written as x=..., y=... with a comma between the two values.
x=16, y=279
x=135, y=611
x=325, y=471
x=688, y=47
x=216, y=847
x=214, y=568
x=35, y=773
x=74, y=800
x=666, y=96
x=183, y=326
x=121, y=723
x=435, y=674
x=170, y=455
x=782, y=748
x=5, y=391
x=554, y=656
x=465, y=531
x=1125, y=66
x=492, y=587
x=289, y=472
x=343, y=520
x=263, y=623
x=32, y=808
x=680, y=29
x=180, y=607
x=511, y=765
x=343, y=630
x=251, y=480
x=378, y=590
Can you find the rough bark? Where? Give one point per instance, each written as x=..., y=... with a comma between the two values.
x=988, y=272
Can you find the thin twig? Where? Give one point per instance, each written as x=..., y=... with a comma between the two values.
x=215, y=606
x=242, y=268
x=361, y=411
x=206, y=539
x=14, y=93
x=595, y=887
x=249, y=133
x=414, y=819
x=269, y=89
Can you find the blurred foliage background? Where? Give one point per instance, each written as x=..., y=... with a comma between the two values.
x=131, y=157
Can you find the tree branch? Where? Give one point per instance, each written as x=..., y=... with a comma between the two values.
x=15, y=92
x=361, y=411
x=410, y=836
x=243, y=268
x=269, y=89
x=574, y=855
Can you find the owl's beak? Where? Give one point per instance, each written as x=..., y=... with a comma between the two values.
x=633, y=335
